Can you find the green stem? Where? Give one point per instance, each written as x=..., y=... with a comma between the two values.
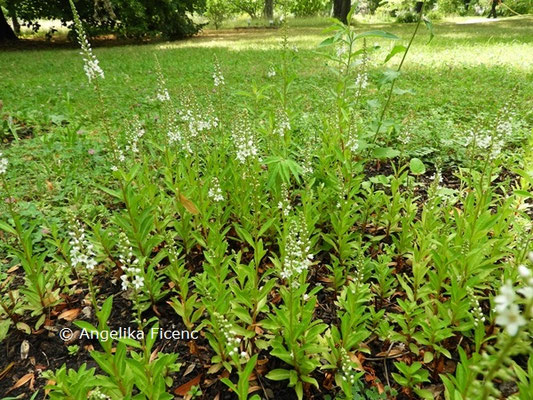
x=380, y=122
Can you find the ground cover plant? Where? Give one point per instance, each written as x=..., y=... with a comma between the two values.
x=331, y=215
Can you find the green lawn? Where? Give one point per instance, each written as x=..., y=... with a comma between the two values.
x=468, y=71
x=484, y=61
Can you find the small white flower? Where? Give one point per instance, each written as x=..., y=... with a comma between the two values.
x=506, y=297
x=297, y=257
x=133, y=275
x=511, y=319
x=226, y=329
x=271, y=72
x=283, y=124
x=133, y=136
x=163, y=95
x=527, y=292
x=524, y=271
x=341, y=50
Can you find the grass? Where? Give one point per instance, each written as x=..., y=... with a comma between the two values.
x=466, y=71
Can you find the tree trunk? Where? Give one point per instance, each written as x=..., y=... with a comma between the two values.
x=12, y=13
x=268, y=11
x=341, y=8
x=6, y=33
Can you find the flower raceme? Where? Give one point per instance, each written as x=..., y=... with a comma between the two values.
x=297, y=257
x=133, y=276
x=3, y=164
x=226, y=329
x=218, y=78
x=81, y=250
x=245, y=143
x=91, y=64
x=215, y=192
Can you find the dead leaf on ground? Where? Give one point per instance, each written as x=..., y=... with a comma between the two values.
x=70, y=315
x=184, y=389
x=392, y=353
x=6, y=370
x=189, y=369
x=22, y=381
x=12, y=269
x=254, y=389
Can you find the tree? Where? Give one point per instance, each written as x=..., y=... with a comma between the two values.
x=268, y=11
x=130, y=18
x=217, y=11
x=341, y=8
x=303, y=8
x=6, y=33
x=250, y=7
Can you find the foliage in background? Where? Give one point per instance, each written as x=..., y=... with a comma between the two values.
x=136, y=18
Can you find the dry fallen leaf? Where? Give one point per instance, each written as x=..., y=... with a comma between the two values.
x=213, y=369
x=189, y=369
x=12, y=269
x=254, y=389
x=22, y=381
x=183, y=389
x=70, y=315
x=392, y=353
x=6, y=370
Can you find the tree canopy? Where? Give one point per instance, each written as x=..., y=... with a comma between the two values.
x=130, y=18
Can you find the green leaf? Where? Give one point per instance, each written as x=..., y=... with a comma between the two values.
x=385, y=152
x=350, y=13
x=105, y=312
x=522, y=193
x=229, y=384
x=399, y=48
x=429, y=27
x=327, y=42
x=278, y=374
x=130, y=342
x=85, y=325
x=416, y=166
x=424, y=394
x=7, y=228
x=381, y=34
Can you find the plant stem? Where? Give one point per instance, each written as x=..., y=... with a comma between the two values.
x=380, y=122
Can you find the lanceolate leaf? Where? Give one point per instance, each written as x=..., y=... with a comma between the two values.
x=379, y=34
x=399, y=48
